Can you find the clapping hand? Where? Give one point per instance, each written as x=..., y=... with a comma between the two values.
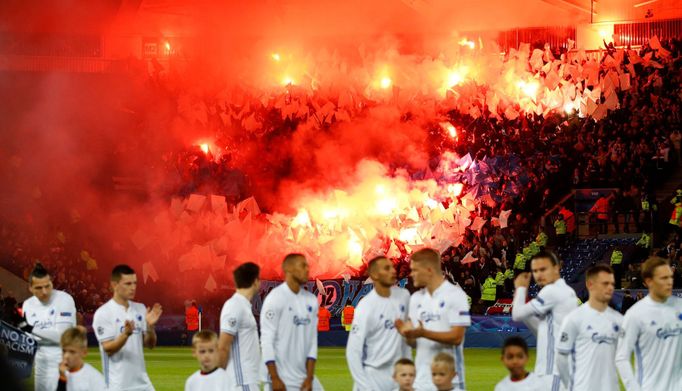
x=153, y=314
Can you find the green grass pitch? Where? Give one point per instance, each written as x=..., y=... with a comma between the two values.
x=169, y=368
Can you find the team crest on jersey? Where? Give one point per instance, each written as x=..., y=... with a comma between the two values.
x=100, y=330
x=310, y=308
x=402, y=308
x=564, y=337
x=679, y=316
x=270, y=315
x=139, y=318
x=615, y=327
x=232, y=322
x=442, y=304
x=389, y=325
x=52, y=311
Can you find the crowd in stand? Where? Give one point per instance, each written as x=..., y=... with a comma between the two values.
x=633, y=148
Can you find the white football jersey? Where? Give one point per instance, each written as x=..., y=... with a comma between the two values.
x=654, y=332
x=85, y=379
x=590, y=338
x=447, y=307
x=374, y=342
x=213, y=381
x=550, y=306
x=125, y=369
x=236, y=319
x=288, y=325
x=51, y=319
x=530, y=383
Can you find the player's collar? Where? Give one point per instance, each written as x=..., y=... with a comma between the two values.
x=209, y=372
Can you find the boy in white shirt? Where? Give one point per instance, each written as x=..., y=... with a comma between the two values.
x=210, y=377
x=443, y=371
x=404, y=373
x=515, y=358
x=74, y=373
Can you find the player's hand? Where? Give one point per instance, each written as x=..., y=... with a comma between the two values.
x=129, y=327
x=522, y=280
x=154, y=314
x=415, y=332
x=63, y=368
x=307, y=384
x=278, y=384
x=402, y=326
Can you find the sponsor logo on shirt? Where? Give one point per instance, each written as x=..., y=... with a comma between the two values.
x=232, y=322
x=564, y=337
x=428, y=316
x=100, y=330
x=43, y=324
x=300, y=321
x=64, y=314
x=601, y=338
x=667, y=332
x=354, y=329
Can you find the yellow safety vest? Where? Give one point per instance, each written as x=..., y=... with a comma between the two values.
x=560, y=227
x=489, y=291
x=616, y=257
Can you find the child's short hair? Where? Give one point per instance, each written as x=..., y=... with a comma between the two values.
x=74, y=336
x=515, y=341
x=403, y=361
x=444, y=358
x=204, y=336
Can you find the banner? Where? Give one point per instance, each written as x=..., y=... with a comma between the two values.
x=337, y=293
x=21, y=349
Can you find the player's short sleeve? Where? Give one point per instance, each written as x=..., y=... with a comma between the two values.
x=103, y=325
x=66, y=311
x=458, y=310
x=569, y=333
x=545, y=300
x=405, y=303
x=229, y=318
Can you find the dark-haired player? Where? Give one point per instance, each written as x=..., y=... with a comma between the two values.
x=122, y=328
x=374, y=343
x=545, y=313
x=238, y=345
x=49, y=312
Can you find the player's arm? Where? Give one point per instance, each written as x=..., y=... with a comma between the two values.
x=354, y=351
x=152, y=317
x=626, y=345
x=566, y=347
x=454, y=336
x=312, y=353
x=224, y=345
x=112, y=345
x=269, y=322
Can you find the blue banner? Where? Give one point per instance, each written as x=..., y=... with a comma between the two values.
x=21, y=349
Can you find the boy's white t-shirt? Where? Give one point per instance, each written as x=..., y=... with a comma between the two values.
x=85, y=379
